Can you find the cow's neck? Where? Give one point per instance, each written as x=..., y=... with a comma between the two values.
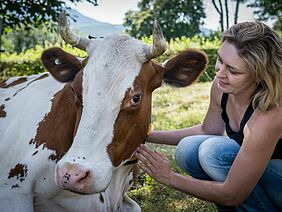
x=61, y=121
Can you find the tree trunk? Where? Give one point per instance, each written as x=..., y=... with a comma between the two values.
x=220, y=12
x=236, y=12
x=226, y=14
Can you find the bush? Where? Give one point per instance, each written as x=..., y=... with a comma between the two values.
x=28, y=62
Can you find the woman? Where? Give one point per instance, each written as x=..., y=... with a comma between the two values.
x=244, y=168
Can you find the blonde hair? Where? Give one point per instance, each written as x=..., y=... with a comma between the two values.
x=261, y=48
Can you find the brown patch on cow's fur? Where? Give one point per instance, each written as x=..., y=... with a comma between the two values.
x=77, y=86
x=57, y=130
x=39, y=78
x=132, y=124
x=20, y=171
x=4, y=84
x=2, y=111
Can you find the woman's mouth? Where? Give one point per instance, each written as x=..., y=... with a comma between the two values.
x=221, y=83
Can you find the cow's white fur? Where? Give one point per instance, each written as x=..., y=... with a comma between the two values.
x=114, y=63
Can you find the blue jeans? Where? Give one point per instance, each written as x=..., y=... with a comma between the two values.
x=209, y=157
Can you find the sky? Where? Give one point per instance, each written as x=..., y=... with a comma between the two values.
x=113, y=11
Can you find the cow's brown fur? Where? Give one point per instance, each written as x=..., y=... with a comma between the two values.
x=2, y=111
x=185, y=68
x=19, y=171
x=4, y=84
x=39, y=78
x=66, y=69
x=56, y=132
x=133, y=122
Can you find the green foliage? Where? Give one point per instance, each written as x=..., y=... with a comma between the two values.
x=278, y=25
x=28, y=62
x=177, y=18
x=266, y=9
x=172, y=109
x=26, y=13
x=19, y=39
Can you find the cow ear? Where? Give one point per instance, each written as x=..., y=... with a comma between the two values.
x=62, y=65
x=184, y=68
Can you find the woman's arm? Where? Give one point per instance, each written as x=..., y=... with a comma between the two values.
x=212, y=124
x=261, y=135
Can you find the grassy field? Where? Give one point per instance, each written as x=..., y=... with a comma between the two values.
x=173, y=108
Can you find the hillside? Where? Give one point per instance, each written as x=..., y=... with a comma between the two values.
x=85, y=26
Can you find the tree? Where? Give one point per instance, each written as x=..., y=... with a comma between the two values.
x=26, y=23
x=18, y=13
x=224, y=12
x=268, y=9
x=177, y=18
x=20, y=40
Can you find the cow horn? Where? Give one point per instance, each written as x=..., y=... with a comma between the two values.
x=159, y=43
x=70, y=37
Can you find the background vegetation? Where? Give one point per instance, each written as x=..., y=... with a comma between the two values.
x=28, y=62
x=175, y=17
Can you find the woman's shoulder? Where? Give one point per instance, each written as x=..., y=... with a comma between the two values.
x=269, y=121
x=275, y=113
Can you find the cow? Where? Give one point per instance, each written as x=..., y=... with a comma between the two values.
x=68, y=136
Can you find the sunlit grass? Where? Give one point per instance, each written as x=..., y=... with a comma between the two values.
x=173, y=108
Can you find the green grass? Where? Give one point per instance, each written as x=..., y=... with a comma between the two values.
x=173, y=108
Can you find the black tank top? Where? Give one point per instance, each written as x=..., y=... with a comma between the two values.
x=239, y=136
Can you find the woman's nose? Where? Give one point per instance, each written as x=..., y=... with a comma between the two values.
x=220, y=71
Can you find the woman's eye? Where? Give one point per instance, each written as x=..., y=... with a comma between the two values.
x=136, y=99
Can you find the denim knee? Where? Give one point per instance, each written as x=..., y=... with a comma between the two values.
x=186, y=156
x=271, y=181
x=216, y=156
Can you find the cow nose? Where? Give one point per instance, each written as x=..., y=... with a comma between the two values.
x=74, y=177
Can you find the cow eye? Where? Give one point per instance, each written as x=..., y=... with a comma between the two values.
x=136, y=99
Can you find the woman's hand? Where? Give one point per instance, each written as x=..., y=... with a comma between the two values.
x=155, y=164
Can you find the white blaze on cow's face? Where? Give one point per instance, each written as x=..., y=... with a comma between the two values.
x=114, y=62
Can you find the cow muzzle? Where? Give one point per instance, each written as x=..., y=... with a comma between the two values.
x=80, y=178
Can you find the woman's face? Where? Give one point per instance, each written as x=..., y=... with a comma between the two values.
x=233, y=73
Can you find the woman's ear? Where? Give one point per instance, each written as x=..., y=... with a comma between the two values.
x=184, y=68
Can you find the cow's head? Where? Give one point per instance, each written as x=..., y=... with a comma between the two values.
x=115, y=88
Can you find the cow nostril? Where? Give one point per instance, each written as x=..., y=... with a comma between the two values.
x=85, y=177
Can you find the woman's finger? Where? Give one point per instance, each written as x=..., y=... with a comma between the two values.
x=145, y=168
x=160, y=155
x=147, y=153
x=141, y=157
